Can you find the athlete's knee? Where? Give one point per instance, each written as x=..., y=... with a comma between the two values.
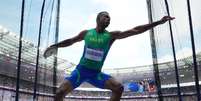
x=63, y=90
x=60, y=93
x=118, y=89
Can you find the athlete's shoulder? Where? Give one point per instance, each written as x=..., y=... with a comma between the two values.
x=114, y=34
x=83, y=32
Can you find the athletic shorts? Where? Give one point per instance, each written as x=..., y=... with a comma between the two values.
x=82, y=74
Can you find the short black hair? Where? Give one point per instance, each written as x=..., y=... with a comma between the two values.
x=99, y=15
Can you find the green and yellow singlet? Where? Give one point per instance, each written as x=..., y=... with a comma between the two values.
x=96, y=48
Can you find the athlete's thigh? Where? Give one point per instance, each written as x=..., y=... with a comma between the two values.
x=112, y=84
x=75, y=78
x=99, y=80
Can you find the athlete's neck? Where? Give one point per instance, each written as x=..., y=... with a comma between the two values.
x=100, y=30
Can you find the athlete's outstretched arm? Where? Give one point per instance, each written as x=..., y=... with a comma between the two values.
x=71, y=41
x=139, y=29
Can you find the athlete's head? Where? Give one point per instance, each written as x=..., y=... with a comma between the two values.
x=103, y=19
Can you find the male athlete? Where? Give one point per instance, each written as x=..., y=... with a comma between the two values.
x=97, y=44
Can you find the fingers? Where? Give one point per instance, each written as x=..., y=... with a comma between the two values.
x=45, y=53
x=172, y=17
x=48, y=51
x=168, y=18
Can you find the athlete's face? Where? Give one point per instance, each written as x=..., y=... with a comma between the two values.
x=104, y=20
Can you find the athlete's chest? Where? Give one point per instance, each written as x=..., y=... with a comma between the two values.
x=97, y=40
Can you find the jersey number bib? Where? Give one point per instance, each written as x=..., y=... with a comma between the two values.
x=94, y=54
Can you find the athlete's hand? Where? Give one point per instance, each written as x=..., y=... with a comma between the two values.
x=166, y=18
x=49, y=51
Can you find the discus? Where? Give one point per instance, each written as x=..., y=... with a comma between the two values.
x=50, y=52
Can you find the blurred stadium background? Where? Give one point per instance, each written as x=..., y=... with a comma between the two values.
x=140, y=84
x=8, y=64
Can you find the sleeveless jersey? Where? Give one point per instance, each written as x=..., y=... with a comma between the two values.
x=96, y=48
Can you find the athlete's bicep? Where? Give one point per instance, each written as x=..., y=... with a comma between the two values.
x=79, y=37
x=123, y=34
x=115, y=35
x=119, y=34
